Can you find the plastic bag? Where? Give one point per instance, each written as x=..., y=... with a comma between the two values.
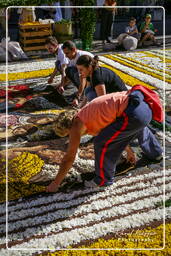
x=2, y=53
x=130, y=43
x=14, y=50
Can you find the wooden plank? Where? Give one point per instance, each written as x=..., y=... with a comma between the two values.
x=32, y=41
x=39, y=26
x=32, y=48
x=36, y=33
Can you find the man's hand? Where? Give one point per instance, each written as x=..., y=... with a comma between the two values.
x=130, y=155
x=52, y=187
x=60, y=89
x=50, y=80
x=75, y=103
x=131, y=158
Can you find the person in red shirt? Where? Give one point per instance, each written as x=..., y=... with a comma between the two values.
x=115, y=120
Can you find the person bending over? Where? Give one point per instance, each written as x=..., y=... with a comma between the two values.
x=102, y=80
x=72, y=53
x=115, y=120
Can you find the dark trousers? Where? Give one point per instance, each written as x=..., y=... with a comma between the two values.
x=112, y=140
x=107, y=19
x=73, y=75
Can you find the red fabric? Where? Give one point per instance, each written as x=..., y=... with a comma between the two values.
x=29, y=97
x=153, y=100
x=19, y=88
x=18, y=105
x=115, y=135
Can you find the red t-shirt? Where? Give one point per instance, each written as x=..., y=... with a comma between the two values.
x=102, y=111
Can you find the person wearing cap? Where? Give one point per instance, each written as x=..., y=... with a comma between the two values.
x=147, y=31
x=114, y=119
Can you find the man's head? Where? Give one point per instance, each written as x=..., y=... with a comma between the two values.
x=63, y=123
x=51, y=44
x=132, y=22
x=69, y=49
x=148, y=18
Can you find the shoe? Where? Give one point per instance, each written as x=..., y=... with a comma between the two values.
x=156, y=44
x=123, y=168
x=159, y=158
x=90, y=184
x=150, y=160
x=108, y=40
x=140, y=44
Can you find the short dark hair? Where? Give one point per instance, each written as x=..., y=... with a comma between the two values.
x=132, y=19
x=69, y=44
x=51, y=40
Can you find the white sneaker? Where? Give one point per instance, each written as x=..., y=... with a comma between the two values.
x=90, y=184
x=159, y=157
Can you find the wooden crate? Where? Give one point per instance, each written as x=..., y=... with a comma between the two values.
x=33, y=35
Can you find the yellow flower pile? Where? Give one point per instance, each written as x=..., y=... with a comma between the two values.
x=20, y=170
x=147, y=238
x=31, y=23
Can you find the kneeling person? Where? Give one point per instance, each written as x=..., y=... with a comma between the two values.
x=72, y=53
x=61, y=60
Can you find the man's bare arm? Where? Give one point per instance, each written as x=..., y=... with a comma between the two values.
x=130, y=155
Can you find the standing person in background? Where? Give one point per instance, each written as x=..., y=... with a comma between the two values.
x=56, y=13
x=107, y=19
x=3, y=20
x=67, y=12
x=27, y=15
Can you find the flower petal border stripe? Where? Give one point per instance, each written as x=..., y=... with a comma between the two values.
x=26, y=66
x=65, y=239
x=62, y=197
x=133, y=59
x=128, y=79
x=26, y=75
x=84, y=199
x=140, y=67
x=24, y=216
x=154, y=82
